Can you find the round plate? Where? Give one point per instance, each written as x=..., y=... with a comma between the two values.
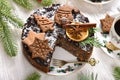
x=97, y=3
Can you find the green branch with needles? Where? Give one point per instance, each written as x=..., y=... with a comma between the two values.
x=92, y=41
x=6, y=18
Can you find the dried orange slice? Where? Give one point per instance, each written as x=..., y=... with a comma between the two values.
x=75, y=35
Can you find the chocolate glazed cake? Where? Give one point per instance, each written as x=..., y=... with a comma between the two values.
x=44, y=30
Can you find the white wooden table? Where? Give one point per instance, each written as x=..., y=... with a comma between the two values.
x=18, y=68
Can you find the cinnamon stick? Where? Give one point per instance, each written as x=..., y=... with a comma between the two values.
x=83, y=25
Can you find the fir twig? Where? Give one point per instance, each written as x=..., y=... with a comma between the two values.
x=6, y=12
x=15, y=21
x=33, y=76
x=116, y=73
x=7, y=40
x=92, y=30
x=88, y=77
x=5, y=32
x=46, y=2
x=24, y=3
x=92, y=41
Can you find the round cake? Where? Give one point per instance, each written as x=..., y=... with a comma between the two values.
x=46, y=28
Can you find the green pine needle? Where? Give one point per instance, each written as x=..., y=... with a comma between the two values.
x=33, y=76
x=6, y=38
x=93, y=30
x=6, y=12
x=88, y=77
x=92, y=41
x=15, y=21
x=24, y=3
x=83, y=77
x=116, y=73
x=46, y=2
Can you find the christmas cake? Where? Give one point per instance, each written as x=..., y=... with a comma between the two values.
x=46, y=28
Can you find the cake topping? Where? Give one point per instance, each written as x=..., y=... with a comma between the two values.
x=44, y=23
x=64, y=15
x=31, y=37
x=106, y=23
x=40, y=48
x=78, y=31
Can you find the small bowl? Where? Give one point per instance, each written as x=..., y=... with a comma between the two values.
x=98, y=3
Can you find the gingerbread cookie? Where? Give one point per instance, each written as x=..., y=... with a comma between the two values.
x=37, y=44
x=64, y=14
x=44, y=23
x=106, y=23
x=40, y=48
x=31, y=37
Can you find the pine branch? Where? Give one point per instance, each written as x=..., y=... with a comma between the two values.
x=93, y=30
x=24, y=3
x=14, y=21
x=33, y=76
x=84, y=77
x=46, y=2
x=92, y=41
x=6, y=12
x=5, y=33
x=116, y=73
x=88, y=77
x=7, y=40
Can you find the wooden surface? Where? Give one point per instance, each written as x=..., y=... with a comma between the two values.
x=17, y=68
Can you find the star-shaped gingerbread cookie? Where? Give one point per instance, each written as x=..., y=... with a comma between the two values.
x=40, y=48
x=37, y=44
x=31, y=37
